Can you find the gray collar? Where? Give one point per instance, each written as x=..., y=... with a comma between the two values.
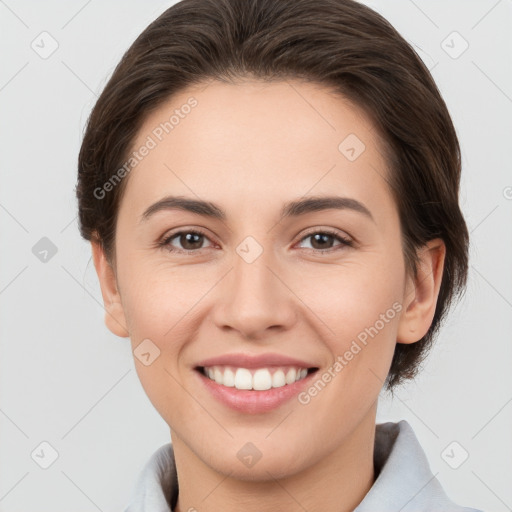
x=404, y=483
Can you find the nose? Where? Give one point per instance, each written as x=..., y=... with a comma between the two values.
x=255, y=300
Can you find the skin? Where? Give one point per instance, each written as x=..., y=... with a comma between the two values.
x=250, y=147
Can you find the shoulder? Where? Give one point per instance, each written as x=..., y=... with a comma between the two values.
x=404, y=480
x=156, y=486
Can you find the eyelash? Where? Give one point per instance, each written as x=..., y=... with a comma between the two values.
x=345, y=242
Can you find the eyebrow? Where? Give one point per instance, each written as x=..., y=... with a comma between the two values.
x=291, y=209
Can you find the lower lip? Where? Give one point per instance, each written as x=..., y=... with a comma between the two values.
x=254, y=402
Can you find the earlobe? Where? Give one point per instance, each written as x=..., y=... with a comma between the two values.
x=115, y=319
x=422, y=291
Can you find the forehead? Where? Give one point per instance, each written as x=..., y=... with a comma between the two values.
x=256, y=140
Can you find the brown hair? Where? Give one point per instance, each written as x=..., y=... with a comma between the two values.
x=339, y=43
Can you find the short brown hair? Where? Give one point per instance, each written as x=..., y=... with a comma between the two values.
x=339, y=43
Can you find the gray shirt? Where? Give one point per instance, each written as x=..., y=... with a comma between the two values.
x=404, y=480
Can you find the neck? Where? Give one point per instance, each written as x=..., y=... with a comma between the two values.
x=337, y=483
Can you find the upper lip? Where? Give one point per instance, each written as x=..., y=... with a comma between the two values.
x=254, y=361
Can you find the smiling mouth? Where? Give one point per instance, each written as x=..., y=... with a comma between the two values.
x=255, y=379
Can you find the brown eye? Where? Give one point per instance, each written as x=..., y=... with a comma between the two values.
x=188, y=241
x=322, y=241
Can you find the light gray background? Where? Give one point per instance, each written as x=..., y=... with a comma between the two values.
x=67, y=380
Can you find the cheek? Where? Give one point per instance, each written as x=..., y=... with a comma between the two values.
x=357, y=307
x=351, y=298
x=163, y=304
x=159, y=301
x=362, y=312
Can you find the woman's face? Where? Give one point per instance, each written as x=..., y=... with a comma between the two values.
x=274, y=283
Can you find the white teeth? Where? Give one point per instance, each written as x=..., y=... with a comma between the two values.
x=243, y=379
x=290, y=376
x=278, y=379
x=229, y=378
x=260, y=379
x=217, y=375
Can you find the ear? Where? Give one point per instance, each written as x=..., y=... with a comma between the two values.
x=114, y=314
x=421, y=293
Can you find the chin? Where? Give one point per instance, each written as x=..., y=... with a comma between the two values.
x=250, y=464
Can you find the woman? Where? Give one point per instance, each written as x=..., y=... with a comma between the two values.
x=270, y=189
